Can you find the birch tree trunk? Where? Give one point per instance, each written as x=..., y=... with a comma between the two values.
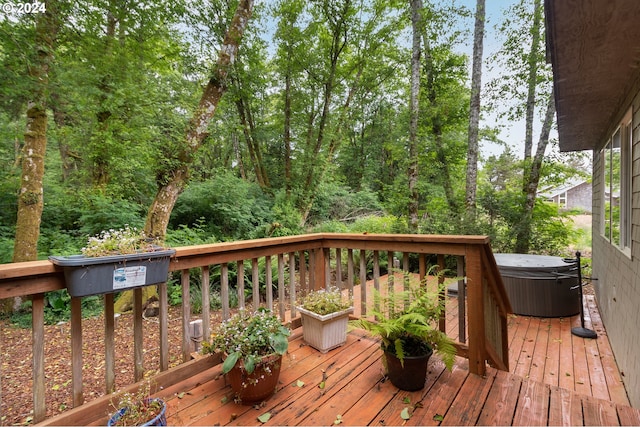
x=176, y=179
x=532, y=81
x=533, y=179
x=474, y=111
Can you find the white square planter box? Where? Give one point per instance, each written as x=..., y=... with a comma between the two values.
x=326, y=332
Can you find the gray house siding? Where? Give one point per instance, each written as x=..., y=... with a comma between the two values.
x=618, y=274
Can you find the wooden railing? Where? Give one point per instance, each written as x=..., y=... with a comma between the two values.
x=300, y=263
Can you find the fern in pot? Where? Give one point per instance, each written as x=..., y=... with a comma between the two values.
x=325, y=316
x=407, y=324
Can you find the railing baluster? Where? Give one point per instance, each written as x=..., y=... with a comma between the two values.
x=37, y=321
x=304, y=283
x=138, y=336
x=255, y=279
x=292, y=283
x=391, y=273
x=163, y=301
x=224, y=290
x=186, y=316
x=206, y=303
x=269, y=282
x=339, y=268
x=363, y=281
x=350, y=274
x=376, y=275
x=326, y=256
x=281, y=296
x=442, y=295
x=76, y=350
x=109, y=344
x=240, y=283
x=462, y=301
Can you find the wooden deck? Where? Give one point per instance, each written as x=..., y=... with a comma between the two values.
x=555, y=379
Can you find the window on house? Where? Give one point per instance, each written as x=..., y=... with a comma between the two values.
x=616, y=156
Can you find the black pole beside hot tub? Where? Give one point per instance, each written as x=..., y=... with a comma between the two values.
x=581, y=331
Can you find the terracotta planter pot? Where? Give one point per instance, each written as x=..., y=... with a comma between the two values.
x=410, y=377
x=258, y=385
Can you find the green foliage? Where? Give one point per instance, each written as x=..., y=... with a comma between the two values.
x=228, y=206
x=57, y=309
x=325, y=301
x=184, y=235
x=405, y=320
x=379, y=224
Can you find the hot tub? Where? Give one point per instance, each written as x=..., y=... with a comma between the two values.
x=540, y=285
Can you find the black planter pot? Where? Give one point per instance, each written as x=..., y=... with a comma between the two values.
x=410, y=377
x=107, y=274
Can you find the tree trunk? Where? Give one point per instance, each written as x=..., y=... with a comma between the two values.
x=532, y=81
x=474, y=111
x=414, y=110
x=339, y=41
x=176, y=180
x=30, y=197
x=287, y=134
x=523, y=240
x=249, y=131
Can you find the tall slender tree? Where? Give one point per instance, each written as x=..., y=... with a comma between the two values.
x=414, y=112
x=474, y=110
x=175, y=179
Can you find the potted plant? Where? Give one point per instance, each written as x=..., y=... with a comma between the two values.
x=138, y=409
x=325, y=316
x=252, y=345
x=115, y=260
x=407, y=324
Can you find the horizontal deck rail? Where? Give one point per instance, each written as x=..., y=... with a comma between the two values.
x=283, y=267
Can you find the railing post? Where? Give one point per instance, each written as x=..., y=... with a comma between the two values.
x=319, y=278
x=475, y=307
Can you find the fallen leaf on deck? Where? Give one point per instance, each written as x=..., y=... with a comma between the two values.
x=405, y=415
x=264, y=417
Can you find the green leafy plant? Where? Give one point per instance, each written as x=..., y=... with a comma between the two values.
x=406, y=322
x=250, y=337
x=325, y=301
x=126, y=240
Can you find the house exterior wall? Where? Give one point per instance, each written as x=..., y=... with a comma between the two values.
x=618, y=274
x=580, y=197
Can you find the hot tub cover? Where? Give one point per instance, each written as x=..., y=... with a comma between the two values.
x=537, y=267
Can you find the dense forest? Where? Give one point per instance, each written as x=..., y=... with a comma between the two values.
x=205, y=121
